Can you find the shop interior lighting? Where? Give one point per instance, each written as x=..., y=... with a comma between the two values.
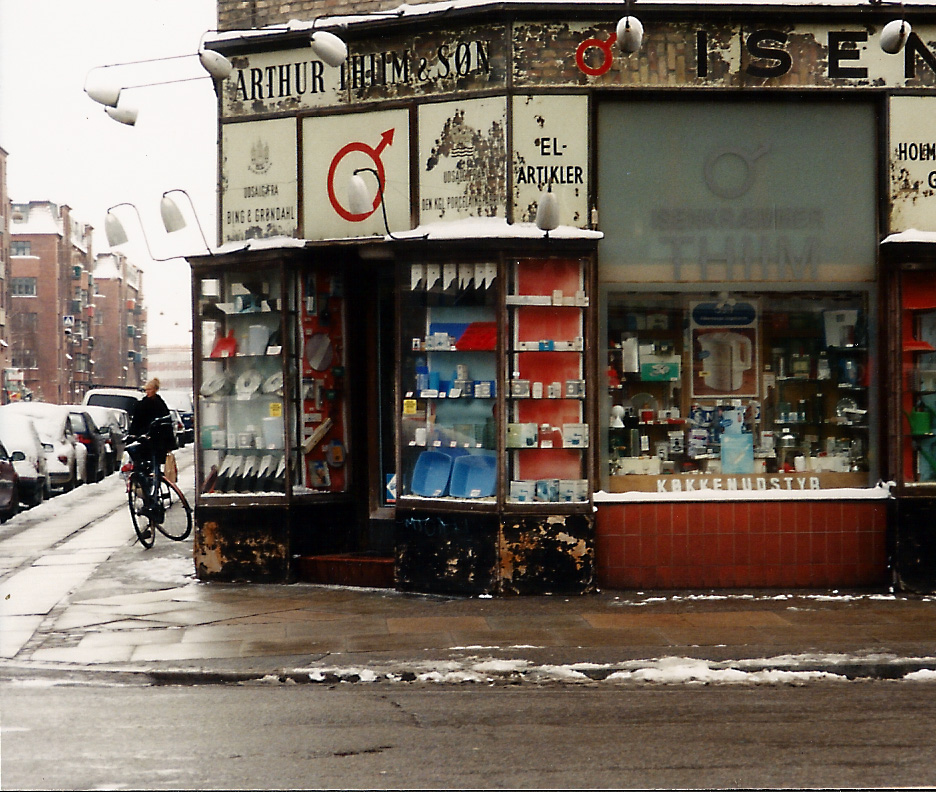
x=629, y=31
x=547, y=211
x=173, y=219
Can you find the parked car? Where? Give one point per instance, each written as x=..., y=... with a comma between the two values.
x=182, y=401
x=122, y=398
x=114, y=422
x=19, y=436
x=9, y=486
x=65, y=456
x=178, y=428
x=93, y=439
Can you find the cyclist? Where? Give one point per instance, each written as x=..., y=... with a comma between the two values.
x=155, y=436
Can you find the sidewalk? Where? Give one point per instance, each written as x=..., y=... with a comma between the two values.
x=144, y=612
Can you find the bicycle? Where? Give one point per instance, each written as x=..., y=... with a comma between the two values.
x=155, y=502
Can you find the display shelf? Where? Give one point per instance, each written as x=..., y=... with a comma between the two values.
x=463, y=339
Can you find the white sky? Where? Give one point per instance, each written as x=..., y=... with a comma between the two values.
x=62, y=147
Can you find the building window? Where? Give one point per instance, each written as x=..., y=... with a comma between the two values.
x=20, y=247
x=25, y=322
x=23, y=287
x=24, y=358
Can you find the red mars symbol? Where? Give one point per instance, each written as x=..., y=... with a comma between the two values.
x=374, y=153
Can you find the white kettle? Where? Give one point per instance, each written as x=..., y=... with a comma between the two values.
x=725, y=358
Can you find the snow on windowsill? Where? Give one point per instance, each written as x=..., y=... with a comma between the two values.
x=879, y=492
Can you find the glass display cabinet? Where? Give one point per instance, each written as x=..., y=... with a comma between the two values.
x=494, y=403
x=918, y=402
x=246, y=369
x=495, y=419
x=271, y=371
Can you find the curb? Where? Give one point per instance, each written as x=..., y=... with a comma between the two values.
x=781, y=670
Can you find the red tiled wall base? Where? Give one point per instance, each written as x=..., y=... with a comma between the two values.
x=741, y=544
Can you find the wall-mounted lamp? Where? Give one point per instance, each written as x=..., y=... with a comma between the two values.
x=360, y=201
x=172, y=217
x=894, y=35
x=110, y=94
x=117, y=235
x=629, y=31
x=629, y=34
x=547, y=211
x=328, y=47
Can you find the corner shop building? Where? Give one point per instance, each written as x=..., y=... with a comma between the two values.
x=701, y=378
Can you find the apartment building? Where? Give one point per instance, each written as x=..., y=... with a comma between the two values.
x=119, y=322
x=6, y=376
x=50, y=308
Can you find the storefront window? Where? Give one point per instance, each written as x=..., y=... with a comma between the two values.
x=738, y=390
x=918, y=341
x=449, y=380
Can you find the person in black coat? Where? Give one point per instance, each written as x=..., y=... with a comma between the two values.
x=150, y=407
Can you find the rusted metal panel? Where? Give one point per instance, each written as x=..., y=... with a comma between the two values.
x=446, y=553
x=242, y=545
x=547, y=554
x=475, y=554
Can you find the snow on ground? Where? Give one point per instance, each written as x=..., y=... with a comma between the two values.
x=781, y=670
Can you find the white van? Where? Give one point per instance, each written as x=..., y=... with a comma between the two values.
x=122, y=398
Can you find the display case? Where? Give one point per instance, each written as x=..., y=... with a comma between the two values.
x=494, y=407
x=271, y=406
x=450, y=372
x=726, y=390
x=918, y=344
x=547, y=434
x=242, y=418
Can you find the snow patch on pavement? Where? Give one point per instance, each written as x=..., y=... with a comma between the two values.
x=780, y=670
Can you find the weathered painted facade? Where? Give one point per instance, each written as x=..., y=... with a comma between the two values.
x=695, y=380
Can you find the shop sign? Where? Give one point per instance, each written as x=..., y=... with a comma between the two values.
x=677, y=55
x=386, y=68
x=375, y=147
x=764, y=483
x=259, y=194
x=462, y=162
x=912, y=163
x=550, y=151
x=736, y=192
x=543, y=55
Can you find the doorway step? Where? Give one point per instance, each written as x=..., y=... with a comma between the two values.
x=347, y=569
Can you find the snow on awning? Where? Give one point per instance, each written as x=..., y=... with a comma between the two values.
x=911, y=236
x=492, y=228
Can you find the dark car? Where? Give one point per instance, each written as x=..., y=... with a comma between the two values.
x=87, y=433
x=113, y=422
x=9, y=486
x=182, y=401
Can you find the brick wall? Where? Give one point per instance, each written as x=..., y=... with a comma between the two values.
x=742, y=544
x=246, y=14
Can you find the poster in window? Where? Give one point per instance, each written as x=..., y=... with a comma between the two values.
x=724, y=348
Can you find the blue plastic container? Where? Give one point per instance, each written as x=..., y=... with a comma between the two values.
x=431, y=474
x=474, y=476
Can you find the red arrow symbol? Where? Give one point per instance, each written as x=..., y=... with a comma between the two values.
x=386, y=139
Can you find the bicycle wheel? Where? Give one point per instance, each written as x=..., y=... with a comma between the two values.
x=177, y=520
x=141, y=522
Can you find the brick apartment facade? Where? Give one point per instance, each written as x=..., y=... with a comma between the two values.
x=4, y=279
x=119, y=322
x=50, y=285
